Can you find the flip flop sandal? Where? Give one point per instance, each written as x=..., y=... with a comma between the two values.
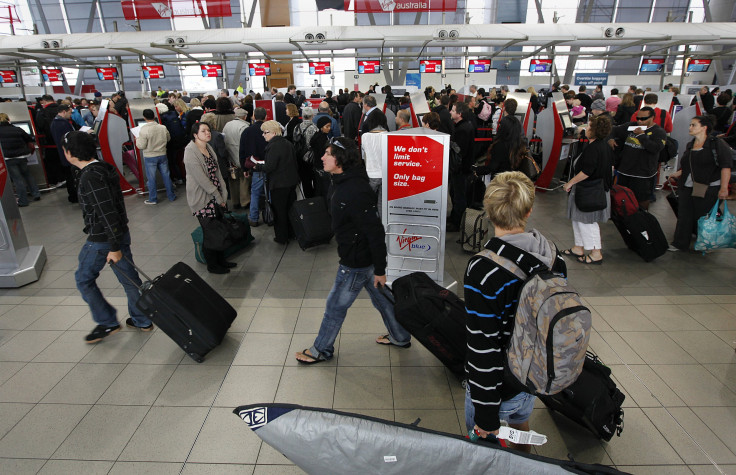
x=388, y=342
x=313, y=361
x=586, y=259
x=568, y=252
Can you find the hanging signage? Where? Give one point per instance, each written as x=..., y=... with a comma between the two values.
x=107, y=74
x=430, y=66
x=591, y=79
x=540, y=66
x=698, y=65
x=211, y=70
x=266, y=104
x=320, y=68
x=259, y=69
x=158, y=9
x=379, y=6
x=52, y=74
x=369, y=67
x=153, y=72
x=8, y=75
x=652, y=65
x=479, y=66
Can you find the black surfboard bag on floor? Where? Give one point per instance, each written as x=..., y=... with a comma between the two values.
x=593, y=400
x=187, y=309
x=434, y=316
x=642, y=234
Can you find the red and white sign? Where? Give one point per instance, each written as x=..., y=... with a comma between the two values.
x=153, y=72
x=268, y=105
x=322, y=67
x=52, y=74
x=369, y=67
x=107, y=74
x=413, y=167
x=540, y=65
x=158, y=9
x=430, y=66
x=8, y=75
x=259, y=69
x=211, y=70
x=378, y=6
x=479, y=66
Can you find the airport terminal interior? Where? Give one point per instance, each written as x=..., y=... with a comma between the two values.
x=136, y=403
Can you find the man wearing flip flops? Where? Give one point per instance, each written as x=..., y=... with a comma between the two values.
x=361, y=245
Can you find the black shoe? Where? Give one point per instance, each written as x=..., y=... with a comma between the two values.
x=217, y=270
x=37, y=198
x=227, y=264
x=101, y=332
x=73, y=200
x=253, y=224
x=237, y=206
x=279, y=241
x=130, y=324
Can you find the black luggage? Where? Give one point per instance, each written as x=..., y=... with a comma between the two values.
x=434, y=316
x=593, y=400
x=311, y=222
x=187, y=309
x=642, y=234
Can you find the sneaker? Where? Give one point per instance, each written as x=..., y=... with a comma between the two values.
x=172, y=199
x=149, y=202
x=673, y=248
x=101, y=332
x=253, y=224
x=130, y=324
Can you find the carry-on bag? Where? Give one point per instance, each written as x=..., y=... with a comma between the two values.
x=311, y=222
x=475, y=230
x=434, y=316
x=197, y=238
x=186, y=308
x=716, y=230
x=593, y=400
x=642, y=234
x=623, y=201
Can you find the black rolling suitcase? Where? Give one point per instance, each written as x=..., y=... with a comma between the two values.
x=311, y=222
x=642, y=234
x=434, y=316
x=187, y=309
x=593, y=400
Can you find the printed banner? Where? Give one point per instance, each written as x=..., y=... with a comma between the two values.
x=591, y=79
x=158, y=9
x=378, y=6
x=8, y=75
x=153, y=72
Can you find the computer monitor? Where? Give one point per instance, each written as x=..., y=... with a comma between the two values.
x=26, y=126
x=139, y=122
x=567, y=120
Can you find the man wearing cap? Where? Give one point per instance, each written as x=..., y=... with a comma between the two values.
x=599, y=108
x=152, y=142
x=60, y=126
x=239, y=184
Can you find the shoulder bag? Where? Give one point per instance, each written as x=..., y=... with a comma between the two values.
x=590, y=195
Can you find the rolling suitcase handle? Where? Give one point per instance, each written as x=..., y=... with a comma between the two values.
x=146, y=283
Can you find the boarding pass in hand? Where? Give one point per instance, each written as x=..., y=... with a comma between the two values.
x=521, y=437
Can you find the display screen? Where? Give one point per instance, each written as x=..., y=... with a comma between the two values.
x=479, y=66
x=107, y=74
x=211, y=70
x=652, y=65
x=25, y=126
x=320, y=68
x=139, y=122
x=540, y=66
x=369, y=67
x=8, y=75
x=567, y=121
x=698, y=65
x=259, y=69
x=430, y=66
x=153, y=72
x=52, y=74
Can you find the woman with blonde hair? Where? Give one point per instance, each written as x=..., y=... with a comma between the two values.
x=534, y=101
x=625, y=110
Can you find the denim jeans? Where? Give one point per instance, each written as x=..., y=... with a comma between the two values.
x=516, y=410
x=256, y=187
x=162, y=165
x=347, y=286
x=18, y=170
x=92, y=259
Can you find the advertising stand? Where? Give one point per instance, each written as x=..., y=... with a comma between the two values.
x=20, y=264
x=112, y=133
x=414, y=202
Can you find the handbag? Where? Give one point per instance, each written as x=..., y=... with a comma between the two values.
x=716, y=232
x=223, y=231
x=529, y=167
x=590, y=195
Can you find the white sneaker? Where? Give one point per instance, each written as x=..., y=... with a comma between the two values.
x=149, y=202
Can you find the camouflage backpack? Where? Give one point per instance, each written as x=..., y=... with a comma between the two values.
x=552, y=327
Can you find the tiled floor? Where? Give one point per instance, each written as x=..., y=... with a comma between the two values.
x=135, y=404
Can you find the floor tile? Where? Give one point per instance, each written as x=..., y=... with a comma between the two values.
x=360, y=349
x=420, y=388
x=146, y=468
x=274, y=320
x=192, y=386
x=565, y=437
x=217, y=469
x=249, y=385
x=225, y=439
x=84, y=384
x=641, y=443
x=726, y=373
x=655, y=469
x=624, y=318
x=704, y=346
x=21, y=466
x=612, y=349
x=657, y=348
x=10, y=414
x=138, y=385
x=27, y=345
x=118, y=348
x=711, y=469
x=278, y=470
x=363, y=387
x=308, y=386
x=442, y=420
x=695, y=385
x=711, y=316
x=644, y=387
x=175, y=430
x=33, y=381
x=87, y=467
x=69, y=347
x=8, y=369
x=263, y=349
x=159, y=349
x=720, y=420
x=670, y=317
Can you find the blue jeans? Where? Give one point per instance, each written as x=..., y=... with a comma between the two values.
x=92, y=259
x=516, y=410
x=162, y=165
x=347, y=286
x=18, y=170
x=256, y=188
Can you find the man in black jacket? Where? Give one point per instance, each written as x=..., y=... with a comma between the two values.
x=252, y=144
x=447, y=125
x=464, y=137
x=61, y=125
x=361, y=245
x=45, y=115
x=351, y=116
x=108, y=237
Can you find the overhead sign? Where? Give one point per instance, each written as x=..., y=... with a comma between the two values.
x=320, y=68
x=211, y=70
x=540, y=66
x=8, y=75
x=379, y=6
x=158, y=9
x=107, y=74
x=698, y=65
x=591, y=79
x=652, y=65
x=479, y=66
x=259, y=69
x=54, y=74
x=369, y=67
x=414, y=79
x=430, y=66
x=153, y=72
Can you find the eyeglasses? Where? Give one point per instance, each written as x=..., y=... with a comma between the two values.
x=644, y=118
x=334, y=141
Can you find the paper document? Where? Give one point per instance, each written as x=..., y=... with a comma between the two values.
x=84, y=128
x=136, y=131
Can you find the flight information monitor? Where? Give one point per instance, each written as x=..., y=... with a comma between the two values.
x=259, y=69
x=107, y=74
x=52, y=74
x=322, y=67
x=698, y=65
x=211, y=70
x=540, y=66
x=652, y=65
x=8, y=75
x=479, y=66
x=430, y=66
x=153, y=72
x=369, y=67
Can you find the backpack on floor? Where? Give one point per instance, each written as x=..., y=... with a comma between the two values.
x=552, y=327
x=475, y=230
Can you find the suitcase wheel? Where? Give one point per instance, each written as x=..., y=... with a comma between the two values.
x=196, y=357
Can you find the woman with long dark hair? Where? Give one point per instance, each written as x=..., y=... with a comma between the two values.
x=507, y=145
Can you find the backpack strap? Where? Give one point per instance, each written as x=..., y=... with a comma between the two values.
x=518, y=262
